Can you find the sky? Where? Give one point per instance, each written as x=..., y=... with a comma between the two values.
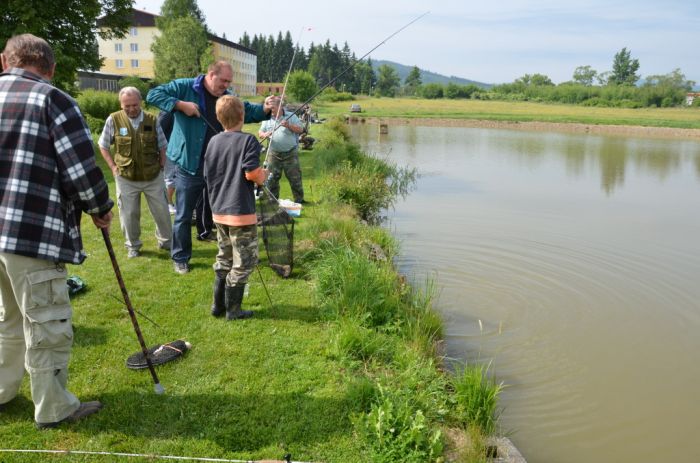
x=485, y=41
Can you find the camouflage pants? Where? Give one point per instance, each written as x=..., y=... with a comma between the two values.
x=238, y=252
x=287, y=162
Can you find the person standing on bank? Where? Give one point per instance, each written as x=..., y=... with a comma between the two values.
x=139, y=158
x=231, y=169
x=47, y=174
x=283, y=155
x=193, y=102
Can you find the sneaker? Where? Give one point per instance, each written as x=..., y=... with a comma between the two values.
x=171, y=209
x=133, y=253
x=181, y=267
x=85, y=409
x=164, y=247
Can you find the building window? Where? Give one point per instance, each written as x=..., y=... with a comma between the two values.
x=134, y=31
x=134, y=63
x=134, y=47
x=120, y=63
x=118, y=47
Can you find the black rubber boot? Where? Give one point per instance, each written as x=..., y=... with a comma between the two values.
x=234, y=299
x=218, y=306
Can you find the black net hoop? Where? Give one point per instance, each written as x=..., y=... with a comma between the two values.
x=277, y=234
x=159, y=354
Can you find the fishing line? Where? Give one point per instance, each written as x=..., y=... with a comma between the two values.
x=137, y=311
x=139, y=455
x=108, y=243
x=284, y=91
x=332, y=81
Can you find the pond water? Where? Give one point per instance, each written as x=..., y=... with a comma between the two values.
x=571, y=264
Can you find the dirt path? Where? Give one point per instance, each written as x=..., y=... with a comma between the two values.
x=634, y=130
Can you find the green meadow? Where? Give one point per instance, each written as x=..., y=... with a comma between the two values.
x=343, y=365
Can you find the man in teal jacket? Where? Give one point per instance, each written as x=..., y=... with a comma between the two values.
x=193, y=103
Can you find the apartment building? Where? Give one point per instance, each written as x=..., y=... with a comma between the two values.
x=132, y=56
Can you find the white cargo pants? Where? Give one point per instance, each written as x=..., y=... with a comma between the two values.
x=36, y=334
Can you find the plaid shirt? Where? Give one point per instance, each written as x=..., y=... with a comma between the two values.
x=47, y=170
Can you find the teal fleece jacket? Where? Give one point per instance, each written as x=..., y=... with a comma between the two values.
x=185, y=145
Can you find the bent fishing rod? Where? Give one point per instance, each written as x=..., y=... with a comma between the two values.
x=284, y=91
x=343, y=72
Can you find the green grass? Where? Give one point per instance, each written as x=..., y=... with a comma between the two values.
x=517, y=111
x=345, y=342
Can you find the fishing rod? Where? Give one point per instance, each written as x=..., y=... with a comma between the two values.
x=158, y=387
x=348, y=68
x=284, y=91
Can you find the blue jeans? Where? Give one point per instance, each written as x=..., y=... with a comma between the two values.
x=188, y=190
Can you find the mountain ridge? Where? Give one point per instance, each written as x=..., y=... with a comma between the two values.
x=427, y=77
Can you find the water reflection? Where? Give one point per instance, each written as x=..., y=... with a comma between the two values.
x=611, y=155
x=571, y=262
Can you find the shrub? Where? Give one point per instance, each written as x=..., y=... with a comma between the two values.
x=96, y=125
x=333, y=151
x=301, y=85
x=396, y=432
x=98, y=104
x=361, y=187
x=332, y=95
x=338, y=126
x=432, y=91
x=597, y=101
x=134, y=81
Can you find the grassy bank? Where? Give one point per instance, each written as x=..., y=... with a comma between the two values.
x=343, y=366
x=518, y=111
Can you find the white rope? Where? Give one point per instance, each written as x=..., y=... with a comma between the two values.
x=141, y=455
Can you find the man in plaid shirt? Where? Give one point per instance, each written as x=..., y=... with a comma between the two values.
x=48, y=176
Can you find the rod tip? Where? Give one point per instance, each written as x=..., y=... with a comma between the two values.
x=159, y=389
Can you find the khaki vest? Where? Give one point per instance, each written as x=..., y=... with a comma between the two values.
x=136, y=153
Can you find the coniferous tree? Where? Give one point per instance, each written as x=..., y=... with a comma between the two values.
x=244, y=40
x=413, y=81
x=624, y=71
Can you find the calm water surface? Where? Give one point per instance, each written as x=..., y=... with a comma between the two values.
x=571, y=262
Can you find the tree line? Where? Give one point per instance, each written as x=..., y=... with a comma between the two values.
x=182, y=50
x=324, y=62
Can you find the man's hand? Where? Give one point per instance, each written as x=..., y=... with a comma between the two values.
x=187, y=107
x=102, y=222
x=271, y=102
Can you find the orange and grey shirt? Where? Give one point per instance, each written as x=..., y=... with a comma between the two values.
x=231, y=169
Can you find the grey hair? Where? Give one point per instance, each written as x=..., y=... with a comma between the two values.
x=29, y=50
x=130, y=91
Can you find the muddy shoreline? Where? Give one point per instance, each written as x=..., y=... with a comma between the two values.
x=631, y=130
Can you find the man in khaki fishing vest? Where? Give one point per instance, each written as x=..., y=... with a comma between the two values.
x=137, y=165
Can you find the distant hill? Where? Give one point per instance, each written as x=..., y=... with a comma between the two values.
x=427, y=77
